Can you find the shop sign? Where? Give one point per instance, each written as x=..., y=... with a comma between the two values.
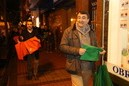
x=118, y=71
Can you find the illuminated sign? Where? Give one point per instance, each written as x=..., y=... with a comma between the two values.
x=118, y=39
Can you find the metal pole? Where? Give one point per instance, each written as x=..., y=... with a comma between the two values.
x=103, y=30
x=5, y=19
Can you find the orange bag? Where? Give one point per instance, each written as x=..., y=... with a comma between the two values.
x=21, y=50
x=32, y=44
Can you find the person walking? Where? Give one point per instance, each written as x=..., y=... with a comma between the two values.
x=71, y=43
x=32, y=59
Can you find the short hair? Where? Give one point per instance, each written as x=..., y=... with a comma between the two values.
x=84, y=12
x=28, y=20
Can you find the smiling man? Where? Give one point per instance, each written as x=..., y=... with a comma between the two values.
x=72, y=40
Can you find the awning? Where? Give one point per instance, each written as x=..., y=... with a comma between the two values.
x=42, y=4
x=50, y=4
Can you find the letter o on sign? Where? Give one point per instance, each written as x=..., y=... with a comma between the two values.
x=115, y=69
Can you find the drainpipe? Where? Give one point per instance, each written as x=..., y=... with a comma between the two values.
x=5, y=19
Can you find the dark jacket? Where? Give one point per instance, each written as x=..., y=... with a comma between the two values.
x=26, y=35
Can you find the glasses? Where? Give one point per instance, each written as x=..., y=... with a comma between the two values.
x=123, y=25
x=124, y=14
x=124, y=4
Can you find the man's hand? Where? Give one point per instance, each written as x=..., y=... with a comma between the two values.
x=103, y=52
x=18, y=41
x=82, y=51
x=21, y=37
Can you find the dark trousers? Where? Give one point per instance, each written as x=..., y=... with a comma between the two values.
x=32, y=64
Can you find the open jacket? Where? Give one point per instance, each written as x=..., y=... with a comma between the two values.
x=70, y=42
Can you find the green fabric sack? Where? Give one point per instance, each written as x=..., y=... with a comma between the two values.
x=91, y=54
x=106, y=77
x=102, y=77
x=97, y=79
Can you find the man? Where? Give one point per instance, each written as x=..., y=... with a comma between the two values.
x=73, y=38
x=32, y=67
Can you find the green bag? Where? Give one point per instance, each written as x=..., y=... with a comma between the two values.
x=91, y=54
x=102, y=77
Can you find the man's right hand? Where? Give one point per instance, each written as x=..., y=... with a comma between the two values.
x=82, y=51
x=21, y=38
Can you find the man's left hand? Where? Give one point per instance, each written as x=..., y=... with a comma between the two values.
x=103, y=52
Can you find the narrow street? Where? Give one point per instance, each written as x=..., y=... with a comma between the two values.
x=51, y=71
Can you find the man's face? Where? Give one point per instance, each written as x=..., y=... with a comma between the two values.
x=29, y=25
x=82, y=20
